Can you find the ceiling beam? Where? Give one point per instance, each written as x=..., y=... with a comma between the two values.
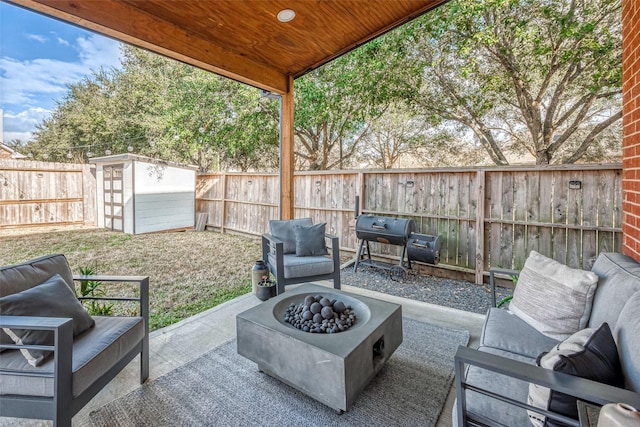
x=126, y=23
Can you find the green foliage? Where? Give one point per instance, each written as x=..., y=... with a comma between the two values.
x=337, y=103
x=509, y=77
x=508, y=298
x=93, y=289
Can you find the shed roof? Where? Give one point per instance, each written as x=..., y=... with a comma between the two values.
x=128, y=157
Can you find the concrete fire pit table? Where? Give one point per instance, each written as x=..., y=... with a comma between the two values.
x=331, y=368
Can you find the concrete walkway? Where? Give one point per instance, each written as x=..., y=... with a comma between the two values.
x=182, y=342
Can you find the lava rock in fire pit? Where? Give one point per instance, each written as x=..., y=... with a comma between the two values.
x=318, y=314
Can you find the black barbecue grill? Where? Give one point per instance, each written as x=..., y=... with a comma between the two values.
x=398, y=232
x=386, y=230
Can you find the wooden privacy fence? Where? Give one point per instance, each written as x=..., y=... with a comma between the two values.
x=44, y=193
x=485, y=216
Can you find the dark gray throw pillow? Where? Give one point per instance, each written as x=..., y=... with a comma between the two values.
x=310, y=240
x=52, y=298
x=284, y=230
x=591, y=354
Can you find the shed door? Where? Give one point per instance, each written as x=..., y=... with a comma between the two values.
x=113, y=200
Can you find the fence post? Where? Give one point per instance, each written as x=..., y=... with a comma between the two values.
x=223, y=217
x=361, y=178
x=480, y=213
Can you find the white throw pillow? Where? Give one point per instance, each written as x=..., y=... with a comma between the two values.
x=553, y=298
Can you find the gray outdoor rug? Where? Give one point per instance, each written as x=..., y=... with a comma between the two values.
x=222, y=388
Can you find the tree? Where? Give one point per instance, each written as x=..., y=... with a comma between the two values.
x=159, y=107
x=80, y=123
x=394, y=134
x=536, y=76
x=336, y=104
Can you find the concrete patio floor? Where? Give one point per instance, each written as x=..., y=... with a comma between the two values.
x=179, y=343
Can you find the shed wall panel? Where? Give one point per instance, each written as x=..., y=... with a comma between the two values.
x=164, y=197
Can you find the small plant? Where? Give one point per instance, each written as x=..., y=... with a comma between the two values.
x=93, y=289
x=266, y=281
x=508, y=298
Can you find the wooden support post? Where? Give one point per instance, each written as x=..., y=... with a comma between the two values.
x=287, y=160
x=223, y=220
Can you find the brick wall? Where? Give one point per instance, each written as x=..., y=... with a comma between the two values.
x=631, y=127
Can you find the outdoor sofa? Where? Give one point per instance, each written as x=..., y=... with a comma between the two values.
x=40, y=296
x=499, y=382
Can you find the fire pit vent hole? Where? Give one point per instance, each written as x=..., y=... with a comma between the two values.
x=378, y=352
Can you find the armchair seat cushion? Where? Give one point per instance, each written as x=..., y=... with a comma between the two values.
x=94, y=353
x=295, y=266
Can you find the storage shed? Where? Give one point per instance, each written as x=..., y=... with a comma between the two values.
x=138, y=194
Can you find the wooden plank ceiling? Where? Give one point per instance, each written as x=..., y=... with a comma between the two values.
x=242, y=40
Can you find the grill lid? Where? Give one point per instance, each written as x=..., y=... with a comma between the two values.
x=393, y=231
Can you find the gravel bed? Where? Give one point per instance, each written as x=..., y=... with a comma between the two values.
x=458, y=294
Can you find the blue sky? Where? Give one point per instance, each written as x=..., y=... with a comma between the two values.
x=38, y=57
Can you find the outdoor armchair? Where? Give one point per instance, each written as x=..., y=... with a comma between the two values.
x=295, y=251
x=35, y=384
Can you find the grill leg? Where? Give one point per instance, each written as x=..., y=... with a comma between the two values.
x=358, y=254
x=404, y=253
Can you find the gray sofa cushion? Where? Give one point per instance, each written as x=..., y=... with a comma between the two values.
x=283, y=230
x=619, y=279
x=506, y=331
x=553, y=298
x=500, y=413
x=295, y=266
x=627, y=336
x=53, y=298
x=94, y=353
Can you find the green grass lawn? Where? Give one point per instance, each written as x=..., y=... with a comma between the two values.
x=189, y=272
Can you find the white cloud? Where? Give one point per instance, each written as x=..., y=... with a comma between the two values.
x=37, y=37
x=32, y=86
x=98, y=51
x=12, y=136
x=20, y=125
x=62, y=41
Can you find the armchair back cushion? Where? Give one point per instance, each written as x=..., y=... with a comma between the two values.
x=17, y=278
x=284, y=230
x=554, y=299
